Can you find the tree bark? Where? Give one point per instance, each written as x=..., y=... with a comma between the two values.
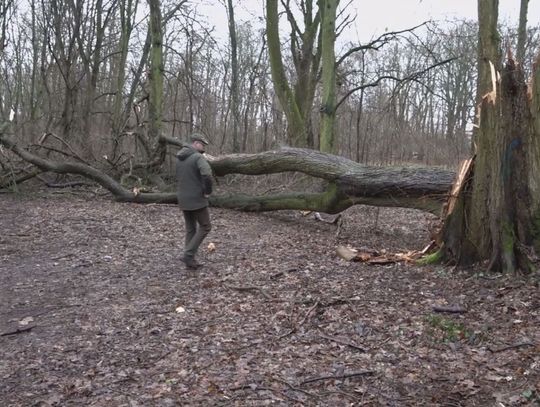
x=118, y=118
x=328, y=107
x=522, y=31
x=234, y=78
x=296, y=99
x=279, y=77
x=467, y=230
x=489, y=50
x=493, y=216
x=155, y=79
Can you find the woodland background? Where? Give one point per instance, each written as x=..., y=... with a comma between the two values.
x=97, y=308
x=77, y=71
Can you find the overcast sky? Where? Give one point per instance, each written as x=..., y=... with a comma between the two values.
x=373, y=17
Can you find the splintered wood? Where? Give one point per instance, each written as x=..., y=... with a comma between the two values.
x=381, y=257
x=463, y=175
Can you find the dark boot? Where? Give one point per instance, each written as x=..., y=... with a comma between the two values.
x=191, y=263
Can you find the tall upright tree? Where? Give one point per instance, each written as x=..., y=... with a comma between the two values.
x=127, y=10
x=296, y=97
x=155, y=73
x=328, y=105
x=234, y=78
x=5, y=11
x=522, y=31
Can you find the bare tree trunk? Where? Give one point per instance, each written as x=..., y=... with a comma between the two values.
x=359, y=113
x=249, y=97
x=35, y=93
x=234, y=79
x=127, y=9
x=283, y=91
x=328, y=108
x=297, y=99
x=493, y=217
x=522, y=31
x=5, y=10
x=155, y=79
x=534, y=155
x=489, y=62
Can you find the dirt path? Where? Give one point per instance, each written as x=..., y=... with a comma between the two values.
x=97, y=310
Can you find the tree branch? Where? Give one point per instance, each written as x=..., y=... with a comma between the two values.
x=377, y=43
x=413, y=77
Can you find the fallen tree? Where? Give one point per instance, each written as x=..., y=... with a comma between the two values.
x=349, y=183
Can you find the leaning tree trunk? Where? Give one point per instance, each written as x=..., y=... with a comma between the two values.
x=497, y=214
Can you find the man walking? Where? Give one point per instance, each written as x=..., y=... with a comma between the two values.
x=194, y=186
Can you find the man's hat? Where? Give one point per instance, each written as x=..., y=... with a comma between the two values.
x=199, y=137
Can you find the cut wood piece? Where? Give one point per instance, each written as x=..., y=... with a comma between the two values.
x=450, y=309
x=347, y=253
x=379, y=258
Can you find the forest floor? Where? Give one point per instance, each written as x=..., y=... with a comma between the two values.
x=97, y=309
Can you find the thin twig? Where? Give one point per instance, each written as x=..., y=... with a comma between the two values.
x=339, y=377
x=308, y=313
x=346, y=343
x=452, y=309
x=292, y=387
x=514, y=346
x=64, y=142
x=250, y=288
x=293, y=330
x=18, y=331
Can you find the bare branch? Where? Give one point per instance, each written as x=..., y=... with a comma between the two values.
x=378, y=42
x=413, y=77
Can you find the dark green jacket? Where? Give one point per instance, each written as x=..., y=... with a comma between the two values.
x=193, y=179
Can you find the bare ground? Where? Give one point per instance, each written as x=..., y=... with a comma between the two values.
x=97, y=310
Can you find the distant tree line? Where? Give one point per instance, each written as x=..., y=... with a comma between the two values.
x=85, y=74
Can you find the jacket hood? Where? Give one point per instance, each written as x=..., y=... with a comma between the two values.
x=185, y=152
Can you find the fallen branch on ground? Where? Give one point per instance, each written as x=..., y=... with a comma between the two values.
x=18, y=331
x=342, y=342
x=249, y=288
x=370, y=256
x=295, y=328
x=256, y=387
x=509, y=347
x=339, y=377
x=451, y=309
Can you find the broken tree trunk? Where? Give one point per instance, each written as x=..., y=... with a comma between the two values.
x=349, y=182
x=497, y=214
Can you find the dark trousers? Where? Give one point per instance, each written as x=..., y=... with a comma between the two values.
x=197, y=227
